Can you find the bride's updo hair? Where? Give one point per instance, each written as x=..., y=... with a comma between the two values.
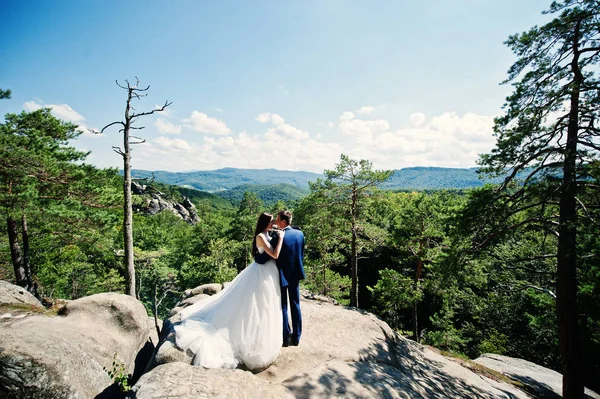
x=264, y=220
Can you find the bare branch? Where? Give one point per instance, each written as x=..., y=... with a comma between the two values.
x=525, y=286
x=167, y=103
x=110, y=124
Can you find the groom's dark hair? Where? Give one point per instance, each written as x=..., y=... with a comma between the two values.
x=285, y=216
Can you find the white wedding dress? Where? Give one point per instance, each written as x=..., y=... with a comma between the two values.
x=240, y=324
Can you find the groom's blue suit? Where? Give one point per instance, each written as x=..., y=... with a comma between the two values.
x=291, y=271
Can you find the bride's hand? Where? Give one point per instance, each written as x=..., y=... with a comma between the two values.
x=280, y=233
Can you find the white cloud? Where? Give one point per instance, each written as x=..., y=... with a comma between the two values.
x=173, y=144
x=416, y=119
x=362, y=130
x=445, y=140
x=366, y=110
x=281, y=128
x=201, y=122
x=242, y=150
x=167, y=127
x=31, y=106
x=346, y=116
x=266, y=117
x=61, y=111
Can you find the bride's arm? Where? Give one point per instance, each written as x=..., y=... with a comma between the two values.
x=273, y=252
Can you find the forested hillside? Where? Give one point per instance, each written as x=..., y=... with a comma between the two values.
x=268, y=193
x=229, y=178
x=415, y=178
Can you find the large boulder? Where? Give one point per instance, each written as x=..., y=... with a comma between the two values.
x=344, y=352
x=63, y=356
x=544, y=382
x=11, y=294
x=178, y=380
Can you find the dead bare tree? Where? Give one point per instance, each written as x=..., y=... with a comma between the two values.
x=131, y=116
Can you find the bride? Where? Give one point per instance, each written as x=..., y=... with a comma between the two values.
x=242, y=323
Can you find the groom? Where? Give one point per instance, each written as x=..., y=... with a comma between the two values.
x=291, y=271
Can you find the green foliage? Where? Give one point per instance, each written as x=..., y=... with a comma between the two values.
x=494, y=343
x=268, y=194
x=344, y=195
x=445, y=335
x=393, y=295
x=118, y=374
x=5, y=93
x=322, y=280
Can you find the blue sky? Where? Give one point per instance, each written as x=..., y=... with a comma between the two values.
x=260, y=84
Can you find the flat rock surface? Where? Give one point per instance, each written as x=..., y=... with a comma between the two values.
x=183, y=381
x=545, y=382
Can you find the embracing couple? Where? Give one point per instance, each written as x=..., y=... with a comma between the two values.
x=247, y=322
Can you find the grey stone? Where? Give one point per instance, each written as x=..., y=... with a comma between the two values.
x=208, y=289
x=13, y=294
x=192, y=300
x=63, y=356
x=343, y=352
x=182, y=381
x=546, y=383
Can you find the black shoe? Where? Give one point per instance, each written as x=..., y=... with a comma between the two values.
x=286, y=343
x=294, y=342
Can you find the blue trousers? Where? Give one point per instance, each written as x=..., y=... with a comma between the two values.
x=293, y=290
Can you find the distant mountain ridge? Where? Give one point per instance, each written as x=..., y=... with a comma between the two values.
x=413, y=178
x=229, y=178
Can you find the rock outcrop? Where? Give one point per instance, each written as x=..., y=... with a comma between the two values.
x=62, y=356
x=543, y=382
x=155, y=203
x=15, y=295
x=343, y=353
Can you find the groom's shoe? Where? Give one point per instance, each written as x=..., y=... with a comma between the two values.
x=286, y=343
x=294, y=342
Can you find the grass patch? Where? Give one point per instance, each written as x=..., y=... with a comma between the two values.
x=25, y=308
x=477, y=368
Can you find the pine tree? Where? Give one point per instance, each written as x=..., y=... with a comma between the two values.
x=548, y=140
x=347, y=189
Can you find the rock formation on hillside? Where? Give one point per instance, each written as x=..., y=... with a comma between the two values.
x=155, y=203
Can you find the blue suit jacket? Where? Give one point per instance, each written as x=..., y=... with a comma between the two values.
x=291, y=258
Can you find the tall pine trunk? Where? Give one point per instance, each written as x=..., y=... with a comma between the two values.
x=566, y=280
x=128, y=213
x=26, y=265
x=354, y=255
x=15, y=252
